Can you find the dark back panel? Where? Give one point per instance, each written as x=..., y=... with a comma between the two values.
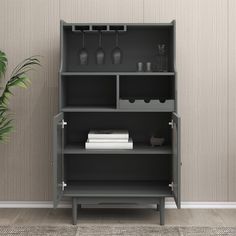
x=152, y=87
x=117, y=167
x=140, y=125
x=89, y=91
x=138, y=44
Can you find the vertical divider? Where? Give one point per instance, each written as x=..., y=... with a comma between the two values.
x=117, y=92
x=174, y=63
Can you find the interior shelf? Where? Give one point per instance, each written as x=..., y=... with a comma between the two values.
x=117, y=189
x=88, y=109
x=111, y=109
x=138, y=149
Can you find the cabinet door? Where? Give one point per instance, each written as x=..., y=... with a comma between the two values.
x=176, y=159
x=58, y=145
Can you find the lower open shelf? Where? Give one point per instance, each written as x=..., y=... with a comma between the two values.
x=117, y=189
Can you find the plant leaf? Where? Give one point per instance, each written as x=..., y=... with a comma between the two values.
x=18, y=78
x=3, y=64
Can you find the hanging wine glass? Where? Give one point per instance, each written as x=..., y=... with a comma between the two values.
x=117, y=53
x=100, y=54
x=83, y=54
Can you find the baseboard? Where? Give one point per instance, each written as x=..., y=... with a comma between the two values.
x=203, y=205
x=67, y=204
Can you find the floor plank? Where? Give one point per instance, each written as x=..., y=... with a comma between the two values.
x=183, y=217
x=228, y=216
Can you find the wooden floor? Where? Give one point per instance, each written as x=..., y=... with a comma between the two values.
x=198, y=217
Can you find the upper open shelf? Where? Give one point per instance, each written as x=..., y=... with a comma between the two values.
x=94, y=92
x=83, y=45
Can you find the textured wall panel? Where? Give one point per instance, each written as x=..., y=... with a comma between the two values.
x=102, y=11
x=202, y=92
x=30, y=28
x=232, y=101
x=207, y=110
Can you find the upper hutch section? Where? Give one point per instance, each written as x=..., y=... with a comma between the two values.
x=94, y=47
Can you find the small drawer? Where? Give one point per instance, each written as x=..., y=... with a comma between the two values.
x=155, y=104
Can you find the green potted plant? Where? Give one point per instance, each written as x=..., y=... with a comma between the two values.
x=19, y=77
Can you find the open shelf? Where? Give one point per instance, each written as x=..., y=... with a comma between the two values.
x=117, y=189
x=117, y=167
x=141, y=126
x=87, y=91
x=143, y=49
x=138, y=149
x=146, y=87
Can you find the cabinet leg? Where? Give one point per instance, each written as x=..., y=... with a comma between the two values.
x=74, y=211
x=162, y=211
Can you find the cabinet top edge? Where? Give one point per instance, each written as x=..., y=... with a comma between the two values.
x=63, y=23
x=88, y=73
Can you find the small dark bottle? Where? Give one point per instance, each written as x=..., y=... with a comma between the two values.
x=162, y=58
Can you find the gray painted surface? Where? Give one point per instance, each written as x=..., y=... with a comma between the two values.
x=58, y=146
x=176, y=159
x=98, y=97
x=138, y=149
x=116, y=189
x=167, y=105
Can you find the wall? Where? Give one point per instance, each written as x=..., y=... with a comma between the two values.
x=206, y=57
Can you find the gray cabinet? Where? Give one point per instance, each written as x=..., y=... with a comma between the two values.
x=117, y=96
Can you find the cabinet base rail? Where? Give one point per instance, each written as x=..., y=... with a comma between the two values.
x=77, y=203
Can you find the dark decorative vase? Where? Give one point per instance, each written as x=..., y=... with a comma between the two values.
x=162, y=58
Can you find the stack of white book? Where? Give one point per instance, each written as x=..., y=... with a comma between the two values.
x=109, y=139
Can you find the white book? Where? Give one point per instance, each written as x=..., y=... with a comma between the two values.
x=108, y=134
x=128, y=145
x=104, y=140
